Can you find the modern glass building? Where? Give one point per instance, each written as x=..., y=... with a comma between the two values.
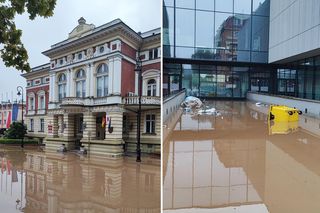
x=220, y=49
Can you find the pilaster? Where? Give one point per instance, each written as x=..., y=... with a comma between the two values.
x=90, y=126
x=68, y=132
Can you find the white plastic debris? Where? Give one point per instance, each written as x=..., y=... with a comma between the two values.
x=191, y=102
x=211, y=111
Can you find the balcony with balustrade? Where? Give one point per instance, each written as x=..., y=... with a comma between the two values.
x=147, y=102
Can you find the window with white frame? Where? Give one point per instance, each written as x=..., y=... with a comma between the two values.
x=62, y=82
x=41, y=100
x=81, y=84
x=150, y=123
x=153, y=54
x=31, y=103
x=41, y=125
x=151, y=88
x=31, y=125
x=102, y=80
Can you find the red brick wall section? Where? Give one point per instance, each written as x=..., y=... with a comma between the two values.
x=155, y=66
x=127, y=78
x=128, y=50
x=35, y=90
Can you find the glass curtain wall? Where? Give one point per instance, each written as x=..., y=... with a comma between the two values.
x=222, y=30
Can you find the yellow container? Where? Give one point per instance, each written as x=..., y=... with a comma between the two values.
x=283, y=127
x=283, y=113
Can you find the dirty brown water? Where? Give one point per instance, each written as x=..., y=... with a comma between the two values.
x=235, y=159
x=35, y=181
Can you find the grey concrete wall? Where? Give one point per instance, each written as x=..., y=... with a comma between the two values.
x=294, y=29
x=313, y=107
x=172, y=104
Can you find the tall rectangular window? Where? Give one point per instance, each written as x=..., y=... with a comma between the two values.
x=31, y=125
x=31, y=103
x=151, y=123
x=42, y=103
x=41, y=125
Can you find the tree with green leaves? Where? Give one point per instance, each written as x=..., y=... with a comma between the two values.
x=16, y=131
x=12, y=50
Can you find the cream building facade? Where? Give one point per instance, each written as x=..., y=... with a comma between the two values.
x=93, y=90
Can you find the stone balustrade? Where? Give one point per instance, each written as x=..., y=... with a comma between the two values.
x=146, y=100
x=41, y=111
x=31, y=112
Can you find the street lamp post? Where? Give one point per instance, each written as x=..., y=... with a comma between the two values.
x=138, y=69
x=20, y=92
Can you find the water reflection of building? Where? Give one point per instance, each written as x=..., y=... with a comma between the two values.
x=211, y=167
x=56, y=183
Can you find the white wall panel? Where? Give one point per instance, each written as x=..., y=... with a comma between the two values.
x=294, y=28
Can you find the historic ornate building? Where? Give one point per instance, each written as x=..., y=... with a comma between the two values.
x=93, y=90
x=37, y=100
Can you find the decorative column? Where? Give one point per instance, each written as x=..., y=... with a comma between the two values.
x=117, y=75
x=72, y=84
x=88, y=79
x=68, y=131
x=90, y=126
x=111, y=78
x=69, y=87
x=92, y=81
x=158, y=81
x=60, y=125
x=114, y=137
x=52, y=128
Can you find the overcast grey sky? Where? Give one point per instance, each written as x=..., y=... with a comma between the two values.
x=40, y=34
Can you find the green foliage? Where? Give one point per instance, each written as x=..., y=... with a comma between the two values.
x=16, y=131
x=13, y=53
x=18, y=141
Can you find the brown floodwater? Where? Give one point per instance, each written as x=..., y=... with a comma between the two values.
x=238, y=158
x=35, y=181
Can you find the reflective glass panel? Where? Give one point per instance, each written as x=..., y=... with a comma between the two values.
x=205, y=4
x=261, y=7
x=242, y=6
x=224, y=6
x=204, y=29
x=185, y=3
x=184, y=27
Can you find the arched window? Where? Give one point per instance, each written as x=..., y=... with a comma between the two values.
x=102, y=80
x=151, y=88
x=81, y=83
x=62, y=82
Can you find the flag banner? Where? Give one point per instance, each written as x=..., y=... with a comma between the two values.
x=15, y=111
x=103, y=123
x=107, y=120
x=9, y=120
x=109, y=123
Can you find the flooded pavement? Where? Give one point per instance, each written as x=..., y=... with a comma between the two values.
x=237, y=161
x=35, y=181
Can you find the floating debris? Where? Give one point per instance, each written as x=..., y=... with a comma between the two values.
x=191, y=102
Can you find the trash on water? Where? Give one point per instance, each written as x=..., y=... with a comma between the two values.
x=191, y=102
x=211, y=111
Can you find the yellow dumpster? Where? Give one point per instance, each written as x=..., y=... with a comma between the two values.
x=283, y=127
x=283, y=113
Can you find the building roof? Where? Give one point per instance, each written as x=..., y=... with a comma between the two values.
x=84, y=33
x=37, y=70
